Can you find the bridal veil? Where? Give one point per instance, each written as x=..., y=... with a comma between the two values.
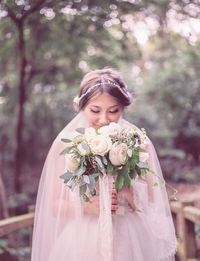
x=59, y=209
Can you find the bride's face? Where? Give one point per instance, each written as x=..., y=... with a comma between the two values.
x=102, y=109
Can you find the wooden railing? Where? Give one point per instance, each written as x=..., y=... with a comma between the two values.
x=185, y=217
x=15, y=223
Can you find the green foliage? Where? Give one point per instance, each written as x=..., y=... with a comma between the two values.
x=119, y=183
x=61, y=48
x=168, y=102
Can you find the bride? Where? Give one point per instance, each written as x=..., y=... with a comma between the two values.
x=132, y=225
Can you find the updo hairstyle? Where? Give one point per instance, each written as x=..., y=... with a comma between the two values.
x=99, y=81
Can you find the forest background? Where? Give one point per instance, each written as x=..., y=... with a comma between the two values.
x=46, y=46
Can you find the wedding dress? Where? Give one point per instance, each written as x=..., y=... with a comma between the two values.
x=142, y=234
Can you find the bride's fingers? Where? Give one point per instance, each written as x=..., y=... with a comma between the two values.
x=114, y=190
x=114, y=207
x=114, y=201
x=114, y=195
x=114, y=198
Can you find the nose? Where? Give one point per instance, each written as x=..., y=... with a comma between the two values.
x=104, y=119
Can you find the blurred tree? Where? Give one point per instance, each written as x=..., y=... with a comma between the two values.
x=24, y=78
x=171, y=93
x=38, y=52
x=47, y=45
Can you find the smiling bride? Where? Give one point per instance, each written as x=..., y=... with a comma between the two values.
x=134, y=224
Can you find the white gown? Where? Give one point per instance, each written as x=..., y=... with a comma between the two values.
x=133, y=238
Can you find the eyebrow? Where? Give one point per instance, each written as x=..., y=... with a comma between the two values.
x=99, y=107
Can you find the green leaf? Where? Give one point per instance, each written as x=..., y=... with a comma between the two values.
x=83, y=189
x=163, y=183
x=91, y=185
x=66, y=150
x=93, y=193
x=66, y=176
x=133, y=139
x=85, y=146
x=95, y=175
x=155, y=184
x=80, y=171
x=86, y=199
x=143, y=165
x=100, y=164
x=80, y=130
x=134, y=159
x=104, y=160
x=86, y=179
x=141, y=150
x=125, y=172
x=82, y=200
x=127, y=180
x=72, y=184
x=109, y=167
x=82, y=161
x=143, y=173
x=133, y=173
x=152, y=171
x=66, y=140
x=119, y=182
x=138, y=170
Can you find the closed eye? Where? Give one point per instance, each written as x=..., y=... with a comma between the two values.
x=115, y=111
x=94, y=111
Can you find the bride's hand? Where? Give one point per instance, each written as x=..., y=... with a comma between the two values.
x=92, y=206
x=114, y=206
x=128, y=194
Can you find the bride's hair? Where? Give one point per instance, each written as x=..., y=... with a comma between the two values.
x=103, y=80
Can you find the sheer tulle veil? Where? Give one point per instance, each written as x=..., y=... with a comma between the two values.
x=57, y=208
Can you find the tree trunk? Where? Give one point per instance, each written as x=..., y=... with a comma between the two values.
x=3, y=207
x=20, y=106
x=19, y=22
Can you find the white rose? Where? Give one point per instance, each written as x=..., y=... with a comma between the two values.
x=143, y=156
x=71, y=163
x=83, y=148
x=78, y=139
x=114, y=125
x=104, y=130
x=111, y=129
x=100, y=144
x=90, y=133
x=118, y=154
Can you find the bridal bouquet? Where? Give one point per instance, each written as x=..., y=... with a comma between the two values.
x=111, y=149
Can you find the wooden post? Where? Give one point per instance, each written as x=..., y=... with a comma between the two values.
x=181, y=231
x=192, y=217
x=174, y=218
x=31, y=209
x=190, y=239
x=186, y=232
